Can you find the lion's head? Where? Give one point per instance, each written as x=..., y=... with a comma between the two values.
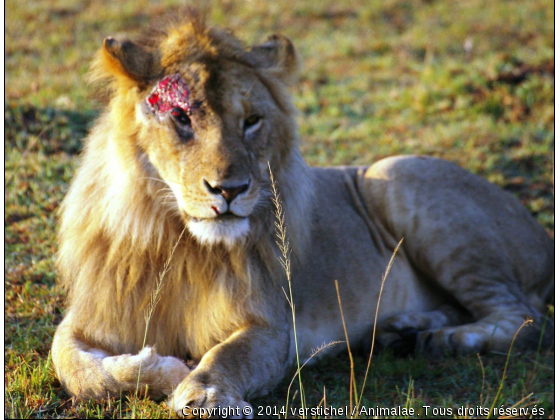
x=209, y=115
x=193, y=121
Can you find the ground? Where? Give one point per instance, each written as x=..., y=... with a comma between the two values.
x=471, y=82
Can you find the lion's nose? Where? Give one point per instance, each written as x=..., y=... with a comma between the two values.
x=229, y=192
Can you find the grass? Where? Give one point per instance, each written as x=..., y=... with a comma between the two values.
x=283, y=243
x=471, y=82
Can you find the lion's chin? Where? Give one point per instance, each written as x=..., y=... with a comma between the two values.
x=229, y=231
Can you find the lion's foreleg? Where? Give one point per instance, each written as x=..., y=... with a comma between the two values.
x=90, y=372
x=252, y=361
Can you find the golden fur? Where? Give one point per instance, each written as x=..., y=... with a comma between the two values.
x=142, y=184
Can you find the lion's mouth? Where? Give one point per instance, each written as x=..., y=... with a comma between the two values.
x=222, y=218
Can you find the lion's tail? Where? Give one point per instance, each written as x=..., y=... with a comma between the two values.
x=89, y=372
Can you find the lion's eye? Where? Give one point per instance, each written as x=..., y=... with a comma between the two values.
x=180, y=116
x=252, y=121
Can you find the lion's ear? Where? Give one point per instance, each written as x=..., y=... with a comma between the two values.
x=124, y=59
x=278, y=56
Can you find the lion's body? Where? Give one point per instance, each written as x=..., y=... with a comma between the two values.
x=193, y=195
x=445, y=216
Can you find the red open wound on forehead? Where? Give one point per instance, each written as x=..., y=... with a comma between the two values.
x=171, y=92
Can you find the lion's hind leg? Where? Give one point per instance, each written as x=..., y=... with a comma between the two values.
x=498, y=313
x=494, y=332
x=400, y=332
x=88, y=372
x=499, y=309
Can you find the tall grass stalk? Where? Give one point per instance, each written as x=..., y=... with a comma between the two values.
x=283, y=244
x=383, y=279
x=525, y=323
x=482, y=400
x=353, y=391
x=154, y=300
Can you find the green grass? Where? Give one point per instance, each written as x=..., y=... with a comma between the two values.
x=381, y=78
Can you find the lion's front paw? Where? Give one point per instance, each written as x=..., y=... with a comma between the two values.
x=195, y=399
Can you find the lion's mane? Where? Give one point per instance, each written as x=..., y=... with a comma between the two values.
x=118, y=230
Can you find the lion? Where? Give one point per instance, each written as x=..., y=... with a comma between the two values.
x=174, y=194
